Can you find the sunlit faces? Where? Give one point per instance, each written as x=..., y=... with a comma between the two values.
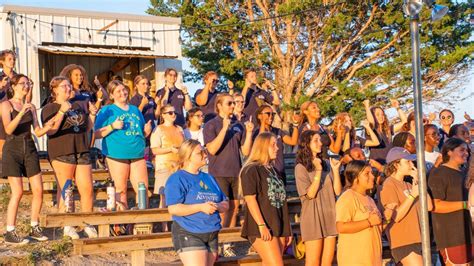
x=313, y=111
x=405, y=167
x=120, y=94
x=198, y=156
x=357, y=154
x=143, y=86
x=239, y=103
x=63, y=90
x=348, y=121
x=9, y=61
x=226, y=107
x=365, y=179
x=410, y=145
x=23, y=87
x=446, y=118
x=379, y=115
x=76, y=78
x=315, y=144
x=169, y=114
x=273, y=148
x=171, y=77
x=252, y=77
x=459, y=155
x=432, y=136
x=463, y=133
x=266, y=116
x=197, y=119
x=4, y=82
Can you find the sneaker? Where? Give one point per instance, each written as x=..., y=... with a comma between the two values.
x=70, y=232
x=37, y=233
x=90, y=231
x=229, y=251
x=13, y=238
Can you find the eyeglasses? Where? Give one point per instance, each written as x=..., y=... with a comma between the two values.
x=169, y=113
x=26, y=84
x=446, y=117
x=199, y=116
x=230, y=103
x=64, y=86
x=269, y=113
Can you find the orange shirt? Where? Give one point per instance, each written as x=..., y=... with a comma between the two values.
x=364, y=247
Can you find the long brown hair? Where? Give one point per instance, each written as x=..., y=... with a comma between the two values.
x=67, y=70
x=13, y=82
x=385, y=125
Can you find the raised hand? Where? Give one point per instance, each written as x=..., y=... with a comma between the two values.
x=335, y=164
x=467, y=117
x=317, y=164
x=65, y=106
x=249, y=126
x=226, y=122
x=366, y=103
x=117, y=124
x=92, y=109
x=395, y=103
x=147, y=127
x=230, y=84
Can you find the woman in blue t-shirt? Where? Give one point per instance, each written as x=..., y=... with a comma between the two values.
x=123, y=129
x=194, y=200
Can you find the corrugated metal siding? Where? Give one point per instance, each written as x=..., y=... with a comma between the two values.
x=115, y=52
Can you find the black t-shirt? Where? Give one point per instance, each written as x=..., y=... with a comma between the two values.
x=176, y=99
x=254, y=98
x=208, y=109
x=443, y=138
x=149, y=109
x=379, y=153
x=72, y=136
x=226, y=162
x=279, y=163
x=454, y=228
x=271, y=198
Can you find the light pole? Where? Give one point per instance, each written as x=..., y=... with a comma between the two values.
x=412, y=8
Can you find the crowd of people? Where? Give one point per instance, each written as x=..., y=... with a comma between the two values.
x=219, y=152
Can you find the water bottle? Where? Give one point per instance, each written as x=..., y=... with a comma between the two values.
x=141, y=196
x=111, y=196
x=68, y=196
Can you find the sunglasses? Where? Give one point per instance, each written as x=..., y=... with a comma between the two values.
x=215, y=80
x=269, y=113
x=446, y=117
x=170, y=113
x=230, y=103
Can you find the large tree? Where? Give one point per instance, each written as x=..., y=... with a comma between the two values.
x=338, y=52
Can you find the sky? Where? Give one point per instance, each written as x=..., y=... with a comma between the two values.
x=140, y=6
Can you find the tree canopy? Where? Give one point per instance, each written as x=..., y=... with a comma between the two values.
x=336, y=52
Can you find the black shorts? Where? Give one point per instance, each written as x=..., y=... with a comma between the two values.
x=400, y=253
x=229, y=186
x=186, y=241
x=20, y=157
x=76, y=158
x=127, y=161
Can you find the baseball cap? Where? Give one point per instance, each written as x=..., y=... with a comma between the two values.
x=397, y=153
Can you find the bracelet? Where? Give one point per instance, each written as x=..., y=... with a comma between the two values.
x=262, y=225
x=21, y=113
x=185, y=94
x=91, y=114
x=61, y=112
x=464, y=205
x=111, y=127
x=411, y=196
x=387, y=221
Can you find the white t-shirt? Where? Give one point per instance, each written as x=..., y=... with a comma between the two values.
x=431, y=157
x=196, y=135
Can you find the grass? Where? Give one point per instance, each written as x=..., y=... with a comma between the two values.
x=4, y=197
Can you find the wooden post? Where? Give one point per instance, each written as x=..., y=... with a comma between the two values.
x=138, y=257
x=104, y=230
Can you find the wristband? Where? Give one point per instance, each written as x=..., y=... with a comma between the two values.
x=387, y=221
x=262, y=225
x=21, y=113
x=91, y=114
x=61, y=112
x=411, y=196
x=464, y=205
x=111, y=127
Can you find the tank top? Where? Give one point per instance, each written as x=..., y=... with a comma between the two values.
x=24, y=127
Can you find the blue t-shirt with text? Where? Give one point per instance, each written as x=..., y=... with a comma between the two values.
x=186, y=188
x=125, y=143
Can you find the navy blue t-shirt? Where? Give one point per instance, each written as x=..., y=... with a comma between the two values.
x=176, y=99
x=149, y=109
x=226, y=162
x=251, y=104
x=208, y=109
x=185, y=188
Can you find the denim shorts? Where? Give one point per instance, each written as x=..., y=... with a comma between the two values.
x=76, y=158
x=184, y=241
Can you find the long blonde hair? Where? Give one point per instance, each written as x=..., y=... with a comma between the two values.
x=259, y=154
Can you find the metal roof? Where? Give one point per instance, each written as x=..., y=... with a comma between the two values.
x=87, y=14
x=96, y=51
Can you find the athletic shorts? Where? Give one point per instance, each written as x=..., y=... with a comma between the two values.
x=76, y=158
x=458, y=254
x=184, y=241
x=229, y=186
x=400, y=253
x=126, y=161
